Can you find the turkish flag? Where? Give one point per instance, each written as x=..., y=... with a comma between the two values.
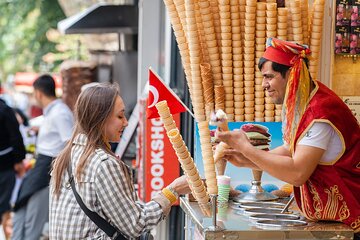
x=158, y=92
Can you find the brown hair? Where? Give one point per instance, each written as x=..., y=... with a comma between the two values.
x=93, y=107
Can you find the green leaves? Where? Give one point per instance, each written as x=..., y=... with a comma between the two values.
x=23, y=27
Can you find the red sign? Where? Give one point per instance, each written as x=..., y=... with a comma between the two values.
x=28, y=78
x=158, y=91
x=159, y=165
x=141, y=149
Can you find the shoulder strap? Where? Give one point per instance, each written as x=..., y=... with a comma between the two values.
x=104, y=225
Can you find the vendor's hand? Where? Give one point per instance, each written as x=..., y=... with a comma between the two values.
x=180, y=185
x=20, y=169
x=236, y=139
x=237, y=159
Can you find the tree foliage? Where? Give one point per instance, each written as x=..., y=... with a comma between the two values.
x=23, y=40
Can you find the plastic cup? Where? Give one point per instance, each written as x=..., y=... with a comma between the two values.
x=223, y=180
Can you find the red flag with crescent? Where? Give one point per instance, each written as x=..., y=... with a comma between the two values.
x=158, y=92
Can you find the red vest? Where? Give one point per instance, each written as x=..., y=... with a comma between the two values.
x=333, y=190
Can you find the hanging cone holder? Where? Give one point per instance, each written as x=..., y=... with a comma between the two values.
x=256, y=192
x=214, y=227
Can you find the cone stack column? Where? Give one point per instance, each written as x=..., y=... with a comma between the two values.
x=249, y=59
x=260, y=42
x=315, y=36
x=295, y=9
x=271, y=31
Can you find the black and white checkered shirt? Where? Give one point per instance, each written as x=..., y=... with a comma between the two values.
x=107, y=189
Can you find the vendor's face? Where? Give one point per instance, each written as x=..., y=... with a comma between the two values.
x=116, y=122
x=274, y=83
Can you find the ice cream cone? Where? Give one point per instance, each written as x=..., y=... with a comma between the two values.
x=221, y=166
x=219, y=152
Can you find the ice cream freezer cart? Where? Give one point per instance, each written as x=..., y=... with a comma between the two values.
x=235, y=225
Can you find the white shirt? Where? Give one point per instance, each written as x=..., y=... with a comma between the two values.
x=56, y=129
x=323, y=135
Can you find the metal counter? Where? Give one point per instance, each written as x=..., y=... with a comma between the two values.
x=239, y=226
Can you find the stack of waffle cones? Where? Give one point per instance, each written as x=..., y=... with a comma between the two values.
x=282, y=23
x=278, y=112
x=199, y=23
x=271, y=31
x=295, y=9
x=187, y=163
x=226, y=56
x=207, y=156
x=165, y=115
x=214, y=5
x=195, y=60
x=219, y=97
x=260, y=48
x=249, y=59
x=237, y=52
x=188, y=166
x=178, y=21
x=208, y=20
x=282, y=28
x=271, y=20
x=228, y=37
x=242, y=10
x=208, y=86
x=316, y=36
x=290, y=34
x=305, y=20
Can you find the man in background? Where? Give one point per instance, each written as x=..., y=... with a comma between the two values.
x=12, y=152
x=32, y=205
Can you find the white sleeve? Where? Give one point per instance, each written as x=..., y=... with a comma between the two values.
x=65, y=123
x=319, y=135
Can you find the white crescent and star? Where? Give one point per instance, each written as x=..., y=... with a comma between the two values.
x=155, y=93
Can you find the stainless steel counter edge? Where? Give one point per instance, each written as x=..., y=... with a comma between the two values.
x=240, y=227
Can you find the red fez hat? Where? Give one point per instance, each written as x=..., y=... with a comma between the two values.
x=282, y=52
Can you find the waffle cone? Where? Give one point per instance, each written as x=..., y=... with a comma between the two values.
x=223, y=125
x=207, y=82
x=165, y=115
x=220, y=166
x=219, y=151
x=219, y=97
x=171, y=126
x=163, y=108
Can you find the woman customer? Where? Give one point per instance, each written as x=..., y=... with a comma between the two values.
x=103, y=181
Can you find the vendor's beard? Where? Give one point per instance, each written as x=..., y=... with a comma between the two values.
x=278, y=100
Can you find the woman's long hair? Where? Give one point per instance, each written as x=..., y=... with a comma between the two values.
x=93, y=107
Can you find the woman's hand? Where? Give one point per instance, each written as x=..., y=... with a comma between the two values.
x=180, y=185
x=20, y=169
